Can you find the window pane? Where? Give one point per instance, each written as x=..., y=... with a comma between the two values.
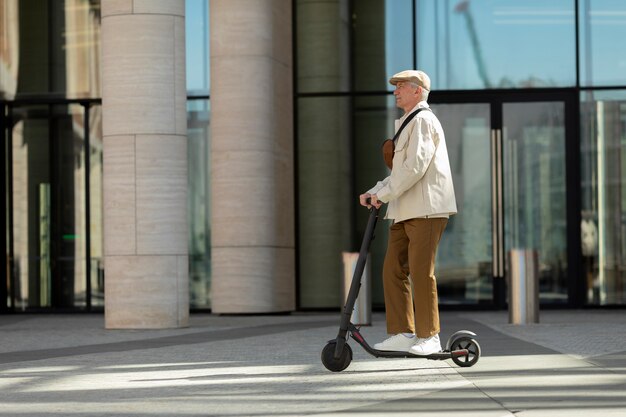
x=603, y=223
x=495, y=44
x=324, y=198
x=398, y=38
x=9, y=48
x=49, y=206
x=198, y=140
x=197, y=47
x=382, y=42
x=603, y=58
x=323, y=50
x=81, y=43
x=51, y=48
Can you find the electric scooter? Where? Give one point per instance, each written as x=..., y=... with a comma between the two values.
x=461, y=347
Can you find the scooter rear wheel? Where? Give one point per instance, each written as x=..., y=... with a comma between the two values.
x=336, y=365
x=472, y=347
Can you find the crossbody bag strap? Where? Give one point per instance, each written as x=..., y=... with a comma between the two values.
x=406, y=122
x=389, y=145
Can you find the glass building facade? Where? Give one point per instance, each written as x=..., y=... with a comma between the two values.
x=531, y=94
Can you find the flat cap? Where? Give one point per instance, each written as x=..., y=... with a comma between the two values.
x=415, y=76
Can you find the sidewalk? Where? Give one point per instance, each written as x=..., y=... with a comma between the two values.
x=571, y=364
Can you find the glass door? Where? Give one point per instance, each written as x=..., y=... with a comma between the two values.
x=49, y=202
x=509, y=168
x=534, y=190
x=465, y=254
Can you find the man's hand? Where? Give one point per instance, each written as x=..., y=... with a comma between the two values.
x=363, y=200
x=373, y=200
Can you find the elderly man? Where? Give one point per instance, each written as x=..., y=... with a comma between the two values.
x=420, y=195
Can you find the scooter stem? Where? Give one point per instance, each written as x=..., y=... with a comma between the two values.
x=355, y=285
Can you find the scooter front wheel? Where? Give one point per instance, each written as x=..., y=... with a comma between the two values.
x=336, y=365
x=473, y=349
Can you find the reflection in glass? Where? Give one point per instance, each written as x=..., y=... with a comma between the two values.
x=603, y=217
x=198, y=145
x=488, y=44
x=534, y=190
x=197, y=46
x=96, y=223
x=80, y=40
x=9, y=48
x=464, y=257
x=58, y=48
x=398, y=38
x=49, y=206
x=602, y=58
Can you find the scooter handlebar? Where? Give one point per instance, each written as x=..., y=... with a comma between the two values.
x=368, y=201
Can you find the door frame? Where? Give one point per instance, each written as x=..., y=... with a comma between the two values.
x=496, y=99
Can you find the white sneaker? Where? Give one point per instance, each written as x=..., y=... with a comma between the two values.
x=398, y=342
x=426, y=346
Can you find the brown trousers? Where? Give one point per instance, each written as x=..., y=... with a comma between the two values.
x=411, y=250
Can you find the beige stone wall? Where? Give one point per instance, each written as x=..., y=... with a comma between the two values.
x=252, y=203
x=145, y=163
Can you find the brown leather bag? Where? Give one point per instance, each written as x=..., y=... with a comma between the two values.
x=389, y=148
x=389, y=145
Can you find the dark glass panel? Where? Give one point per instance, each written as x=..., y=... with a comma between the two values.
x=199, y=142
x=323, y=48
x=48, y=164
x=325, y=198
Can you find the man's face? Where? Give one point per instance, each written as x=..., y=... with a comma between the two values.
x=407, y=96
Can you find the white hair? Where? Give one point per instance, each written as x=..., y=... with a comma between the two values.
x=424, y=96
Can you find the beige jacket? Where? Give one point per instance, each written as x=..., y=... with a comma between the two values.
x=420, y=183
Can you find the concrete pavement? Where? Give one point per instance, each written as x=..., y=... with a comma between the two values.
x=573, y=363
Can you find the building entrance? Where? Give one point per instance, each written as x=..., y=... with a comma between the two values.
x=513, y=158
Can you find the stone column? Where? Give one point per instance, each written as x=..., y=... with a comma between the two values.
x=145, y=163
x=252, y=195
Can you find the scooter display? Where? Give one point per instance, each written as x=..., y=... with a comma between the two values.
x=461, y=347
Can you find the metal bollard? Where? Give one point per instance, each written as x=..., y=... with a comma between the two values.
x=523, y=286
x=362, y=313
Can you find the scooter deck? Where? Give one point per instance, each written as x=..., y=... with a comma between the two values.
x=443, y=355
x=439, y=356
